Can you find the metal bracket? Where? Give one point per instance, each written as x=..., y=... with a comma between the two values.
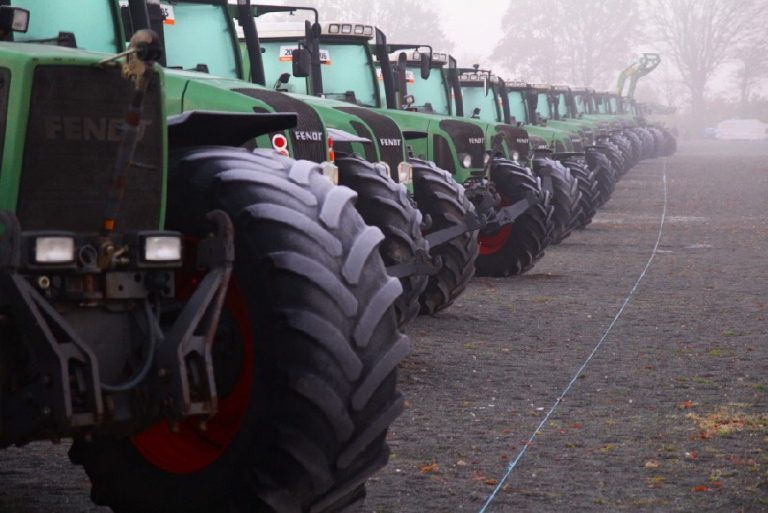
x=186, y=349
x=472, y=221
x=508, y=214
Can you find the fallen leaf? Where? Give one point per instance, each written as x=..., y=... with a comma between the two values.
x=430, y=469
x=701, y=488
x=461, y=463
x=651, y=464
x=490, y=482
x=686, y=405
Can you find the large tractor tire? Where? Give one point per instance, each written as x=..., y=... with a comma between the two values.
x=598, y=159
x=566, y=199
x=514, y=248
x=308, y=349
x=590, y=195
x=441, y=200
x=384, y=204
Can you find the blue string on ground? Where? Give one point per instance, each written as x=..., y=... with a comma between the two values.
x=567, y=389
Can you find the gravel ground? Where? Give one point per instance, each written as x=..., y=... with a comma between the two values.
x=670, y=415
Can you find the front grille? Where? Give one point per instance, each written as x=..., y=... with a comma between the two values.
x=516, y=138
x=73, y=134
x=387, y=133
x=308, y=138
x=467, y=138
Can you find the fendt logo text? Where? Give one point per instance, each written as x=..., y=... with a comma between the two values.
x=387, y=141
x=477, y=140
x=303, y=135
x=79, y=128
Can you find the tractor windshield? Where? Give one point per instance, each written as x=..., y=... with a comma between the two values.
x=581, y=108
x=517, y=107
x=93, y=23
x=198, y=37
x=347, y=70
x=480, y=105
x=562, y=105
x=430, y=95
x=542, y=106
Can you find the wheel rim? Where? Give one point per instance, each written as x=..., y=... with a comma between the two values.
x=490, y=244
x=189, y=448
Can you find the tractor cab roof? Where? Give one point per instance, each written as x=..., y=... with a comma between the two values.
x=477, y=77
x=541, y=87
x=414, y=57
x=560, y=88
x=582, y=89
x=516, y=85
x=295, y=29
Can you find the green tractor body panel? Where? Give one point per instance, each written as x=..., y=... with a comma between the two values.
x=44, y=92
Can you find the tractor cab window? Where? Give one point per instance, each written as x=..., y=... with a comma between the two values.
x=517, y=106
x=562, y=105
x=348, y=73
x=475, y=98
x=542, y=106
x=614, y=104
x=277, y=59
x=430, y=95
x=197, y=37
x=580, y=106
x=94, y=24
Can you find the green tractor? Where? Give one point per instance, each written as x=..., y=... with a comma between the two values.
x=215, y=66
x=515, y=219
x=573, y=184
x=212, y=325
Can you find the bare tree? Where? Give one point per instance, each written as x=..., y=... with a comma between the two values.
x=585, y=43
x=753, y=66
x=702, y=34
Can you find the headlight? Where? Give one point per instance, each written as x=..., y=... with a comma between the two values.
x=54, y=250
x=466, y=160
x=162, y=248
x=404, y=172
x=515, y=156
x=331, y=171
x=486, y=159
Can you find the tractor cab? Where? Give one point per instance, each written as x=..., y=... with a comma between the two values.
x=419, y=91
x=345, y=60
x=481, y=95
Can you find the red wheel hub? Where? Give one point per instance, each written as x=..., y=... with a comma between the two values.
x=190, y=448
x=490, y=244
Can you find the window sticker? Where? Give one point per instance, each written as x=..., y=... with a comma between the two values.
x=286, y=55
x=409, y=76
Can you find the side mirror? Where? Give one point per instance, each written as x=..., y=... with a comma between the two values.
x=13, y=19
x=302, y=62
x=317, y=30
x=426, y=65
x=476, y=113
x=409, y=100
